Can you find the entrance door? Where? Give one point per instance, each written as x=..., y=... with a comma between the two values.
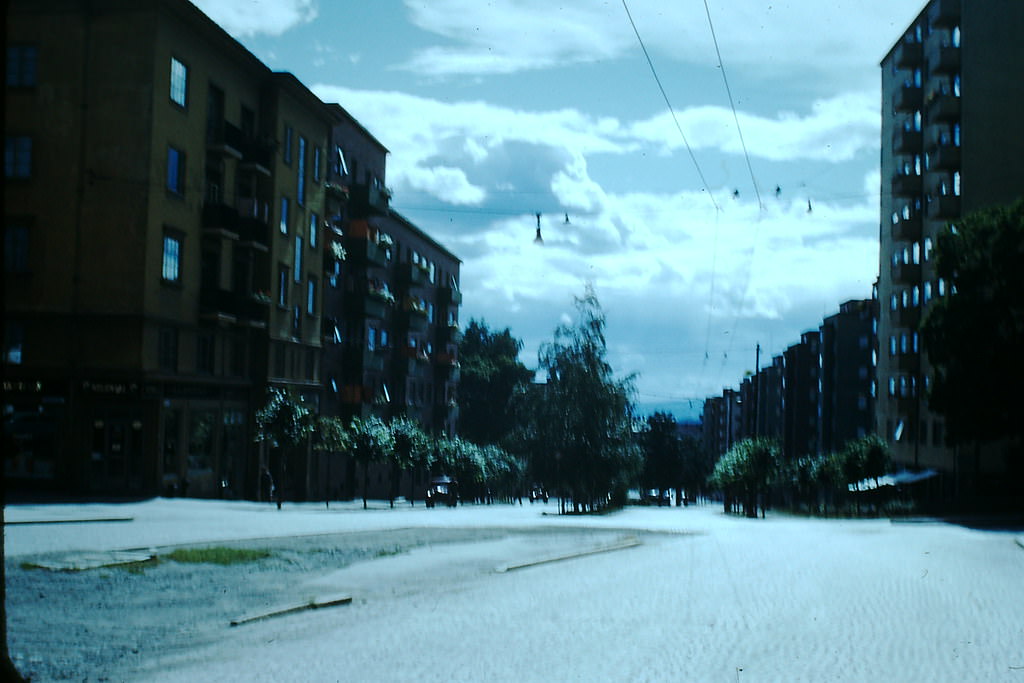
x=115, y=459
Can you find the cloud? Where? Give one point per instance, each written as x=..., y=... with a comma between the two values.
x=243, y=18
x=504, y=36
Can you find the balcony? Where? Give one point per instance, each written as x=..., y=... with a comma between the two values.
x=414, y=316
x=908, y=98
x=906, y=273
x=945, y=13
x=907, y=362
x=945, y=157
x=219, y=217
x=412, y=275
x=908, y=229
x=449, y=334
x=257, y=156
x=224, y=139
x=253, y=223
x=944, y=207
x=943, y=109
x=365, y=252
x=909, y=54
x=368, y=304
x=370, y=198
x=906, y=185
x=450, y=296
x=336, y=191
x=224, y=305
x=360, y=360
x=906, y=141
x=946, y=60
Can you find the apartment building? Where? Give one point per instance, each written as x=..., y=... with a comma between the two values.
x=951, y=144
x=172, y=209
x=847, y=375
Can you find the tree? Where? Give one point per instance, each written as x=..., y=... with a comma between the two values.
x=663, y=461
x=411, y=450
x=489, y=376
x=330, y=437
x=584, y=414
x=746, y=471
x=370, y=441
x=286, y=423
x=973, y=334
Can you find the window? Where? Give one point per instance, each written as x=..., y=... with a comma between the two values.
x=311, y=364
x=311, y=296
x=170, y=269
x=179, y=83
x=167, y=349
x=282, y=285
x=298, y=259
x=313, y=224
x=340, y=167
x=18, y=156
x=22, y=61
x=371, y=339
x=287, y=150
x=14, y=340
x=16, y=248
x=316, y=164
x=301, y=173
x=284, y=215
x=383, y=339
x=204, y=353
x=175, y=170
x=279, y=360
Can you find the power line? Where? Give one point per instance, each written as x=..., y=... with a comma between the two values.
x=671, y=110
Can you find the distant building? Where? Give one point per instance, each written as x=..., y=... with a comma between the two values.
x=847, y=375
x=951, y=144
x=801, y=396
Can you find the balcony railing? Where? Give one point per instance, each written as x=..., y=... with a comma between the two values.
x=945, y=13
x=257, y=156
x=225, y=139
x=368, y=304
x=908, y=98
x=946, y=60
x=908, y=317
x=359, y=360
x=449, y=334
x=944, y=108
x=450, y=296
x=908, y=229
x=412, y=275
x=908, y=362
x=944, y=207
x=906, y=273
x=217, y=216
x=220, y=303
x=909, y=54
x=906, y=141
x=365, y=252
x=945, y=157
x=371, y=198
x=906, y=185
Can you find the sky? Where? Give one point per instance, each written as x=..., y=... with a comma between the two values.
x=725, y=198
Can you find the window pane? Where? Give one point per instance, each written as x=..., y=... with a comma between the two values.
x=312, y=230
x=284, y=215
x=179, y=82
x=172, y=259
x=311, y=296
x=301, y=172
x=298, y=259
x=18, y=156
x=16, y=249
x=175, y=170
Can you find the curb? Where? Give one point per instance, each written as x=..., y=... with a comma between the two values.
x=1019, y=541
x=630, y=542
x=317, y=603
x=83, y=520
x=81, y=561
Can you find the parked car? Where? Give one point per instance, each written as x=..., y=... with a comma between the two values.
x=656, y=497
x=538, y=492
x=443, y=490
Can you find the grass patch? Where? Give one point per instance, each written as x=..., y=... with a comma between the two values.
x=217, y=555
x=389, y=552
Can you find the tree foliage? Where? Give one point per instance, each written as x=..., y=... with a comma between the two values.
x=973, y=334
x=490, y=375
x=370, y=441
x=746, y=471
x=583, y=414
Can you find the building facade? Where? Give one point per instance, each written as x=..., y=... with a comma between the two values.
x=951, y=96
x=171, y=210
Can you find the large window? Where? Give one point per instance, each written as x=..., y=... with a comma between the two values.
x=286, y=151
x=313, y=219
x=16, y=248
x=298, y=259
x=316, y=164
x=175, y=170
x=22, y=62
x=205, y=353
x=301, y=173
x=282, y=285
x=284, y=215
x=18, y=156
x=179, y=82
x=167, y=349
x=170, y=270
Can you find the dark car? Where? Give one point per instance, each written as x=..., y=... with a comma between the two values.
x=538, y=492
x=442, y=491
x=656, y=497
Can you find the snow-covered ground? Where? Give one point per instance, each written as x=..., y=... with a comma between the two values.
x=714, y=598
